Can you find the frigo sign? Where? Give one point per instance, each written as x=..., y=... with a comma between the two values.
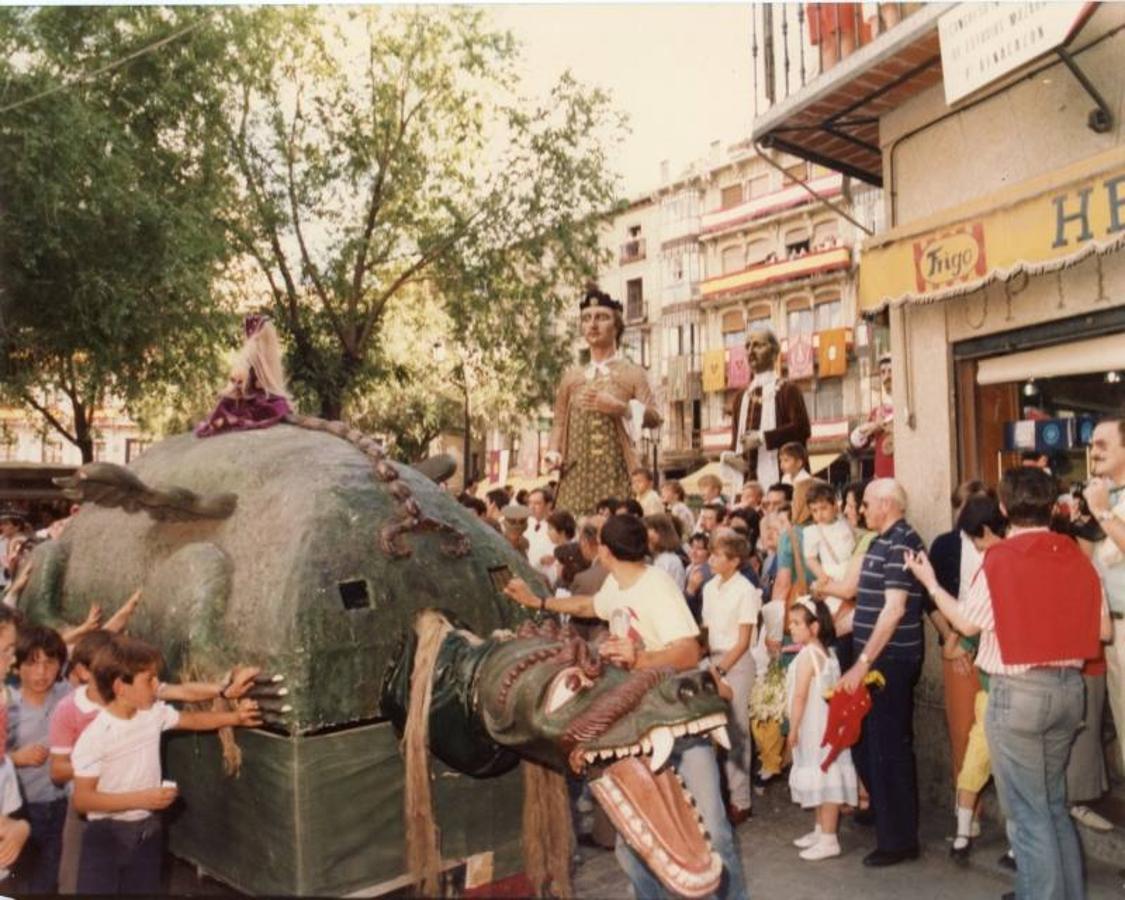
x=951, y=258
x=1041, y=225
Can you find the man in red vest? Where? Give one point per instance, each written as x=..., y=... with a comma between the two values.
x=1038, y=604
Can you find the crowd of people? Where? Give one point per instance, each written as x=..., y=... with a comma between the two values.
x=794, y=590
x=84, y=707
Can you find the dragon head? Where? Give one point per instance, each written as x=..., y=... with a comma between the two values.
x=544, y=695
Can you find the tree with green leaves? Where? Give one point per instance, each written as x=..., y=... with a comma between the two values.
x=109, y=244
x=380, y=152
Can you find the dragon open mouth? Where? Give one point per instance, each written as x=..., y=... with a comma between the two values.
x=653, y=811
x=656, y=816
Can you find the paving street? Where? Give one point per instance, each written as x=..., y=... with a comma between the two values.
x=773, y=869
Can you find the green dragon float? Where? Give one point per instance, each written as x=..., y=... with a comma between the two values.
x=299, y=548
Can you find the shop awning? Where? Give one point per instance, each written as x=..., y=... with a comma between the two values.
x=1100, y=354
x=690, y=484
x=1048, y=223
x=834, y=120
x=818, y=462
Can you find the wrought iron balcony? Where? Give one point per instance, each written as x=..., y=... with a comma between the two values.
x=824, y=73
x=632, y=251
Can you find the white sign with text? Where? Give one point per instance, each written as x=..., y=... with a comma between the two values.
x=981, y=42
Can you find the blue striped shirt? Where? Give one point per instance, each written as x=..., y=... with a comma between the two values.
x=883, y=570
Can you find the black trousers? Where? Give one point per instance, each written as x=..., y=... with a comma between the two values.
x=885, y=756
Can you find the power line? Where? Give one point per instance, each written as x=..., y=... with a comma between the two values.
x=108, y=67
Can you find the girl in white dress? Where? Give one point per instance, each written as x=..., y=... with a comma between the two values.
x=810, y=675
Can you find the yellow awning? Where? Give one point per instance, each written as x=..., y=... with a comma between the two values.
x=1048, y=223
x=523, y=482
x=818, y=462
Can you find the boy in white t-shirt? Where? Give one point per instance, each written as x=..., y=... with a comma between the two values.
x=117, y=777
x=730, y=614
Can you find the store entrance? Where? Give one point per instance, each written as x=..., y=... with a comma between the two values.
x=1047, y=419
x=1036, y=394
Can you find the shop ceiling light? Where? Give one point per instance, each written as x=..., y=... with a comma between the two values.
x=1029, y=388
x=1113, y=378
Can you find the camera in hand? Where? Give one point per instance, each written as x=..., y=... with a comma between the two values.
x=1085, y=526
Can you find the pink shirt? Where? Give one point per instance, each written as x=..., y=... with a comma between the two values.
x=74, y=712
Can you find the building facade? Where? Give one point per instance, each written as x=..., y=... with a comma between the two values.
x=996, y=134
x=737, y=240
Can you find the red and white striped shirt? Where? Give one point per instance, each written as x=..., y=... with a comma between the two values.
x=977, y=608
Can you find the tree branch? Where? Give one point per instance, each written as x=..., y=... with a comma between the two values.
x=375, y=204
x=306, y=259
x=290, y=296
x=49, y=416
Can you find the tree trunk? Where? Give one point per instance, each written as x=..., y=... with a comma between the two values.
x=331, y=407
x=468, y=474
x=84, y=435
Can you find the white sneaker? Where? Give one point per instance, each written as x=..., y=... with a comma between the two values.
x=807, y=840
x=825, y=848
x=1086, y=816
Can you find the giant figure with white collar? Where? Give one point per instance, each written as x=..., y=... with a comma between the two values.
x=768, y=414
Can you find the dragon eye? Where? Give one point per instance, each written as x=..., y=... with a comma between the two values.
x=686, y=691
x=564, y=687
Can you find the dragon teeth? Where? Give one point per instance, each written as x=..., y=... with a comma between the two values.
x=721, y=737
x=679, y=730
x=646, y=744
x=663, y=738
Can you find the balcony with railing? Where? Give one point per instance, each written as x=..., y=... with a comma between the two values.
x=719, y=221
x=799, y=265
x=632, y=251
x=825, y=72
x=636, y=310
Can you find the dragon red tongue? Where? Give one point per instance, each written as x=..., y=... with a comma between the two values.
x=655, y=816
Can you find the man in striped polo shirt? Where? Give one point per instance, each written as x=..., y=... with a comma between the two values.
x=888, y=636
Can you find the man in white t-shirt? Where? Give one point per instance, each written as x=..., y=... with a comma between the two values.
x=651, y=626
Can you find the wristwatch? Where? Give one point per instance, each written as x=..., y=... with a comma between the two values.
x=722, y=672
x=865, y=659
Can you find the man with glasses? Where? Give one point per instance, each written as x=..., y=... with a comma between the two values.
x=877, y=429
x=888, y=636
x=769, y=413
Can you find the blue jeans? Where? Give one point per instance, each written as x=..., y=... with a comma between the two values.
x=694, y=759
x=121, y=857
x=1031, y=723
x=39, y=869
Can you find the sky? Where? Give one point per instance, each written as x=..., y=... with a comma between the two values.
x=682, y=73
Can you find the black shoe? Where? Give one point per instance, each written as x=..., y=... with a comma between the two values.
x=878, y=859
x=960, y=855
x=1007, y=861
x=1011, y=895
x=864, y=817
